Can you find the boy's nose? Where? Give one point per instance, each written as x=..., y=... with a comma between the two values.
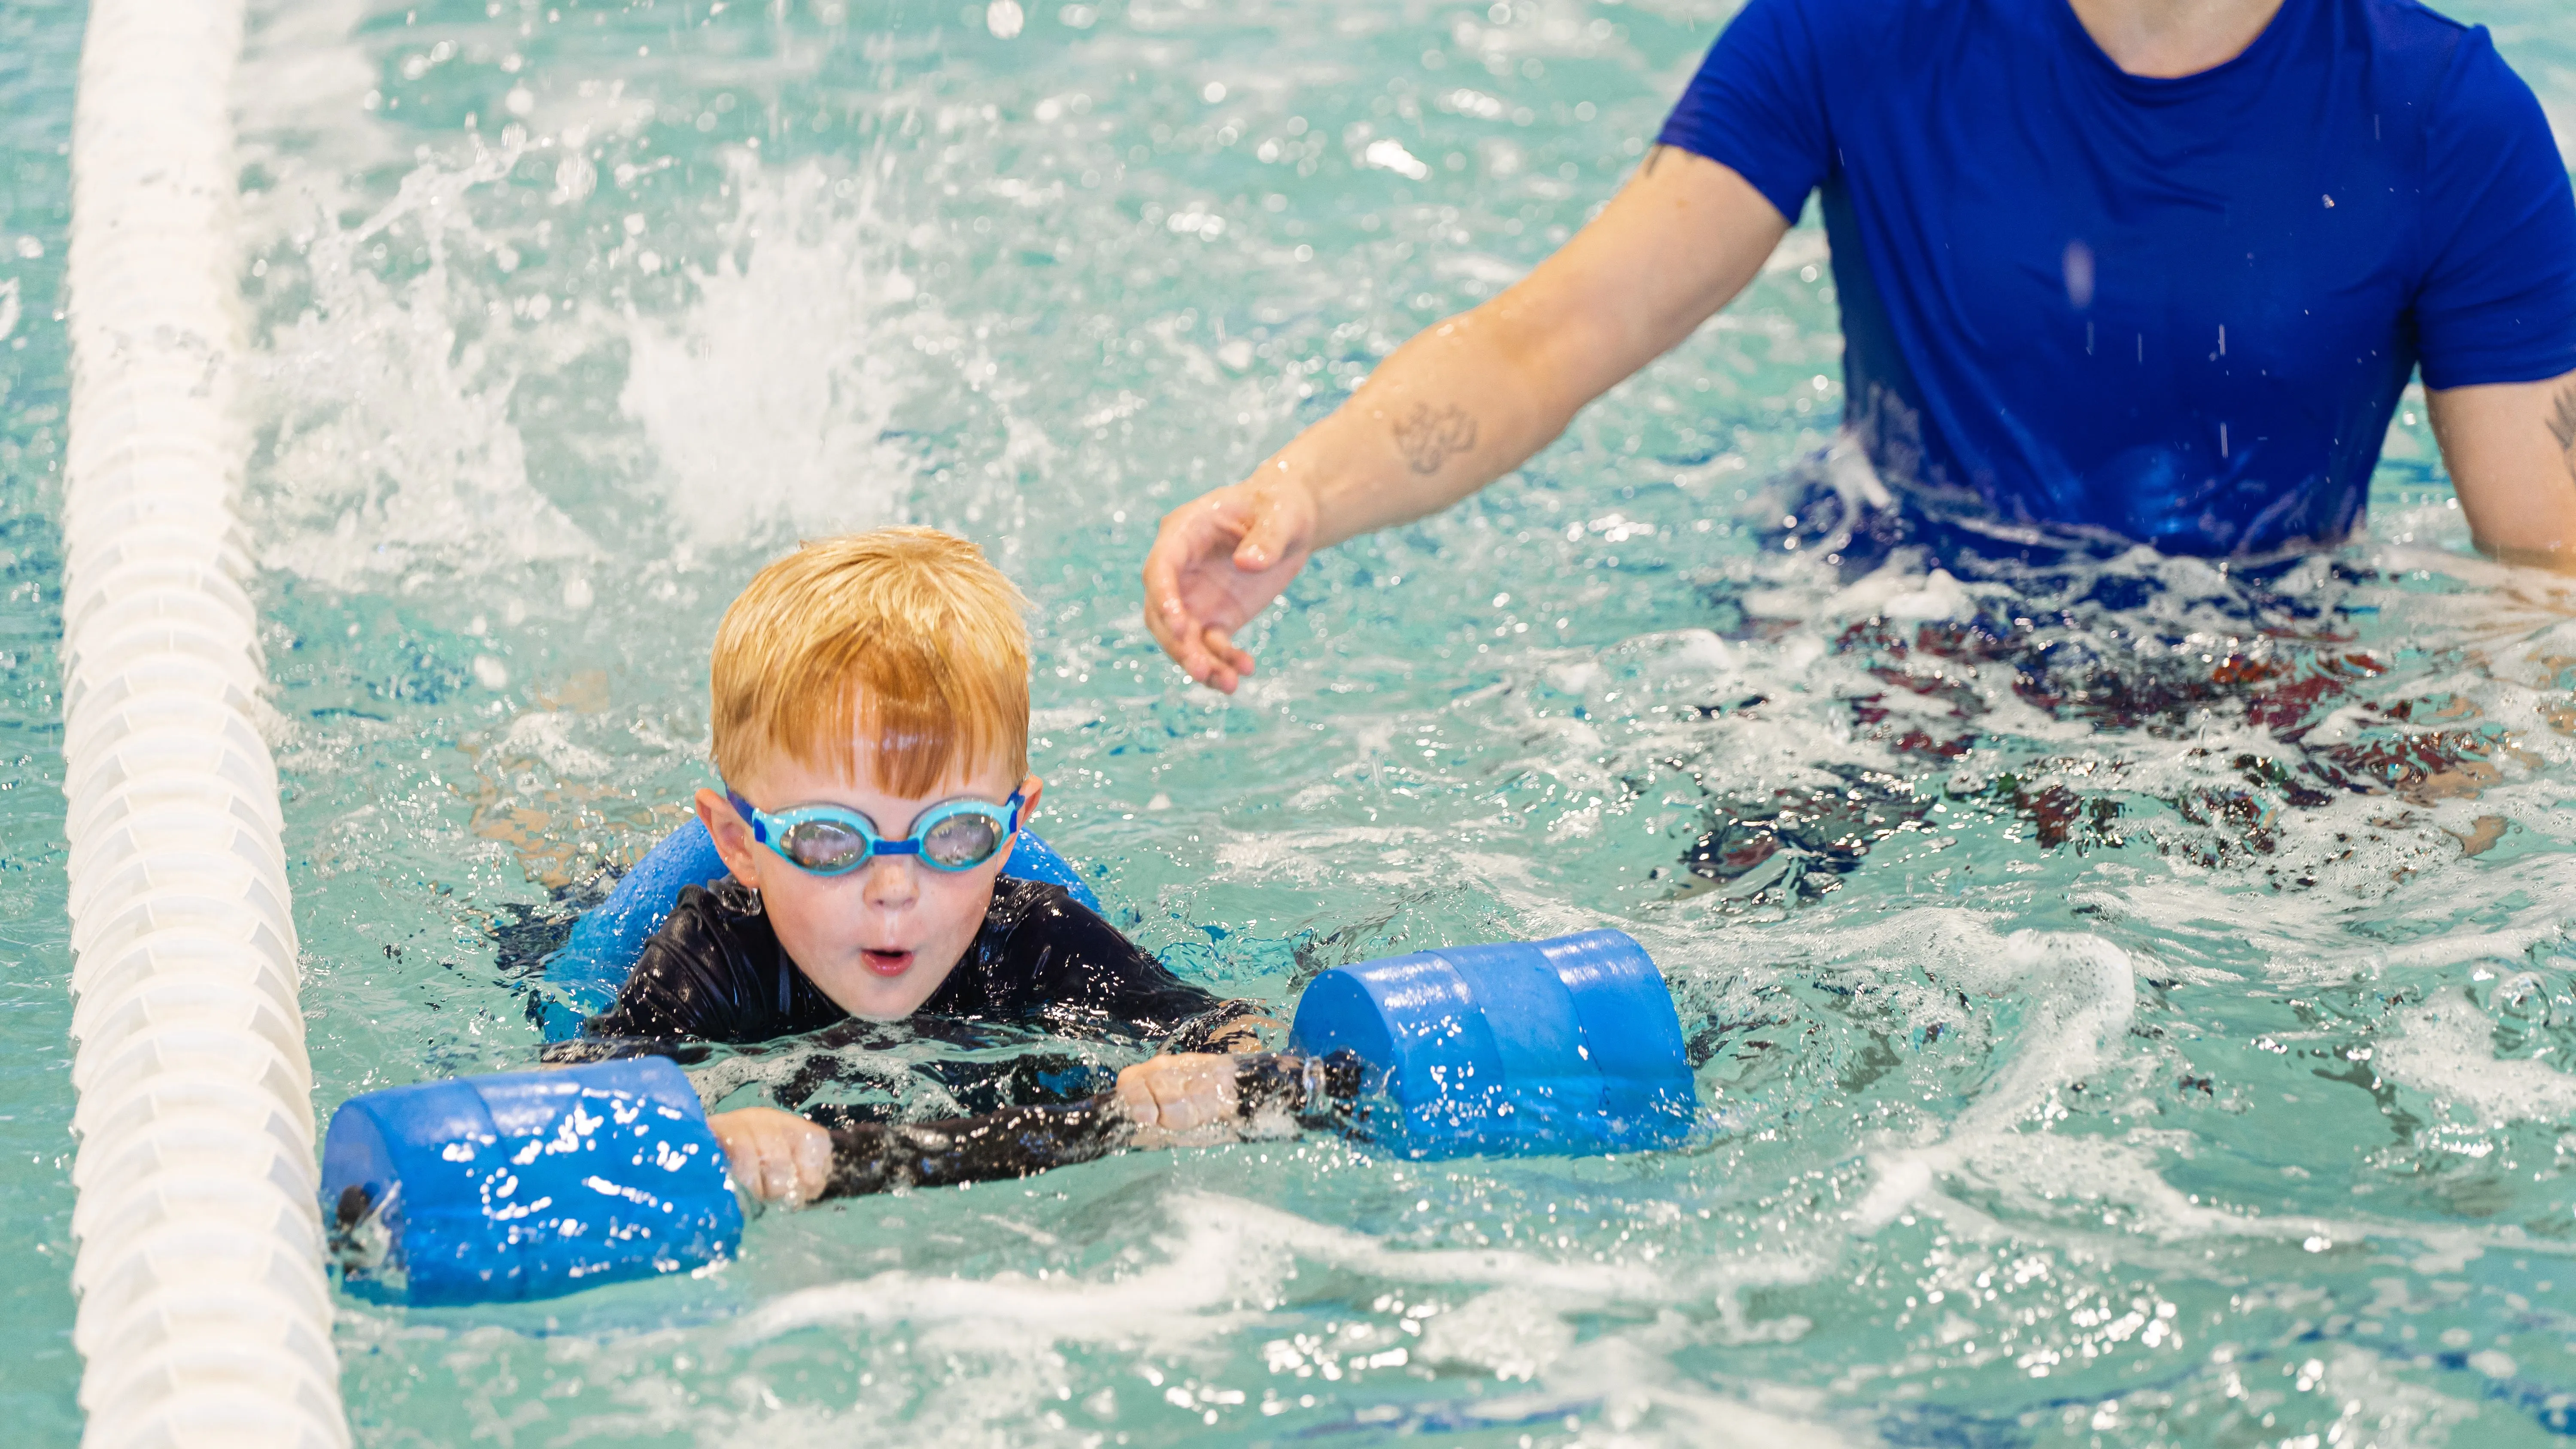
x=889, y=882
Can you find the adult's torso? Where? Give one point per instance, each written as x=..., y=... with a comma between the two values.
x=2172, y=310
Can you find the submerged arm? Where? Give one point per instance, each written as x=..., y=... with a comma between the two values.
x=2511, y=449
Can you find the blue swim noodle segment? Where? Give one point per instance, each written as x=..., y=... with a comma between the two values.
x=530, y=1184
x=586, y=974
x=1569, y=1046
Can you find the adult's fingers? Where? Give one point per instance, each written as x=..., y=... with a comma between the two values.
x=1167, y=617
x=1221, y=646
x=1226, y=664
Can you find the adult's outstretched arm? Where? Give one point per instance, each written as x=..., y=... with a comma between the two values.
x=2511, y=449
x=1464, y=402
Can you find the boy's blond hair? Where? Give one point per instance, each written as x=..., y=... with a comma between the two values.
x=897, y=657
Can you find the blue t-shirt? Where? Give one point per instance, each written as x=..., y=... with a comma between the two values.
x=2178, y=311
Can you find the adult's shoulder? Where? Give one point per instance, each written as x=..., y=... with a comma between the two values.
x=1763, y=99
x=2426, y=58
x=1833, y=15
x=1850, y=26
x=2448, y=76
x=2405, y=25
x=1795, y=52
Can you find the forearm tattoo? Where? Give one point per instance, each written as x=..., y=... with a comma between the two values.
x=2563, y=428
x=1429, y=436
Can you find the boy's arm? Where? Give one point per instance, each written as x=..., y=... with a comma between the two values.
x=1089, y=975
x=1229, y=1026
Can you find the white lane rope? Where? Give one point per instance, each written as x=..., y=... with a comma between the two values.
x=204, y=1317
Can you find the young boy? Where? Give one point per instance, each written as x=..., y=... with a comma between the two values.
x=871, y=714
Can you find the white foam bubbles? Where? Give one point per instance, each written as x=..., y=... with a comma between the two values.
x=2446, y=1050
x=2080, y=994
x=1226, y=1258
x=438, y=402
x=1506, y=1333
x=766, y=403
x=390, y=442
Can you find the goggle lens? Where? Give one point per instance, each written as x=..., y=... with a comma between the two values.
x=823, y=845
x=961, y=841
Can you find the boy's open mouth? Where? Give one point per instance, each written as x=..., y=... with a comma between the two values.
x=886, y=963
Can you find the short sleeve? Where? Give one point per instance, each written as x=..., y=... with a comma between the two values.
x=2497, y=302
x=1757, y=105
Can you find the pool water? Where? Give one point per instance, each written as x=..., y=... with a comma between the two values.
x=2130, y=999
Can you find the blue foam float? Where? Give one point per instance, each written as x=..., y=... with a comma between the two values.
x=526, y=1184
x=1569, y=1047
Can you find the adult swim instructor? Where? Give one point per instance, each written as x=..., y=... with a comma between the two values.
x=2143, y=269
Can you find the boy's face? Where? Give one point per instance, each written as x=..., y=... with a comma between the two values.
x=880, y=939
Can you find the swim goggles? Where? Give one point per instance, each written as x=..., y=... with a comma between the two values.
x=834, y=840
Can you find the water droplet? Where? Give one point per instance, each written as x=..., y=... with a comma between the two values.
x=2078, y=264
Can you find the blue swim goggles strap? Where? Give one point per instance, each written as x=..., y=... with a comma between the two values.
x=835, y=840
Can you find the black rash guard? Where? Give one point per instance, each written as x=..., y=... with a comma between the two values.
x=715, y=973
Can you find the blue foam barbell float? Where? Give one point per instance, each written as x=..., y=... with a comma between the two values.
x=532, y=1184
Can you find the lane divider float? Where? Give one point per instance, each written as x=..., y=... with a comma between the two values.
x=204, y=1315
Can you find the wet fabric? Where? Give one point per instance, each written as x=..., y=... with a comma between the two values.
x=715, y=973
x=2280, y=717
x=2178, y=311
x=1280, y=1093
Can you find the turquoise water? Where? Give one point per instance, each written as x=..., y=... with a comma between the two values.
x=567, y=317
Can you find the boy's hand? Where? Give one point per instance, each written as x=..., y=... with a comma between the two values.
x=776, y=1156
x=1187, y=1099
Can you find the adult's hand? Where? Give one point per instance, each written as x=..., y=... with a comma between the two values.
x=1218, y=561
x=1462, y=403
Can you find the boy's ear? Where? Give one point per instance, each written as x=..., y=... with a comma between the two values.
x=732, y=836
x=1029, y=794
